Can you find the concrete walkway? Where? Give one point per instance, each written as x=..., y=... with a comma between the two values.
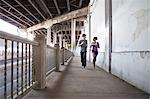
x=75, y=82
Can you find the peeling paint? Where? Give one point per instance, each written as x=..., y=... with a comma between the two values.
x=143, y=21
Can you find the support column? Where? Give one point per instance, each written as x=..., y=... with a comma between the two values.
x=89, y=42
x=39, y=61
x=63, y=50
x=64, y=43
x=73, y=36
x=60, y=40
x=55, y=38
x=108, y=25
x=57, y=57
x=49, y=36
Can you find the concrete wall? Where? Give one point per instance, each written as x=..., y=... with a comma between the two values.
x=130, y=37
x=130, y=59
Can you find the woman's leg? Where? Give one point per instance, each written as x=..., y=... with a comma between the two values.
x=94, y=60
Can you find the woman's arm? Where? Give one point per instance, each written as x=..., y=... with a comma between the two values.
x=98, y=46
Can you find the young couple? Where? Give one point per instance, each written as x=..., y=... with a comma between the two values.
x=93, y=47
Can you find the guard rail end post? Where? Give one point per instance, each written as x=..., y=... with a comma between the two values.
x=57, y=57
x=63, y=51
x=39, y=62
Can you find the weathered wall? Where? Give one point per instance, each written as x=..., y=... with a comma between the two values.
x=130, y=37
x=130, y=59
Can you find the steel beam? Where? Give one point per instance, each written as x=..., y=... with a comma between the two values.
x=80, y=3
x=12, y=20
x=46, y=8
x=74, y=5
x=18, y=11
x=58, y=10
x=30, y=1
x=27, y=11
x=68, y=5
x=74, y=14
x=15, y=16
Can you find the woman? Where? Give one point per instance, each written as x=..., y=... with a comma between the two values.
x=94, y=46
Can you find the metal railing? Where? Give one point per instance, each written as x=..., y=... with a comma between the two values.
x=16, y=68
x=23, y=64
x=64, y=55
x=51, y=59
x=67, y=54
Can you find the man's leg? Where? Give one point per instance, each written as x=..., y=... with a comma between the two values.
x=85, y=58
x=82, y=57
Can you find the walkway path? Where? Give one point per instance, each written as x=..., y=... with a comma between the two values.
x=75, y=82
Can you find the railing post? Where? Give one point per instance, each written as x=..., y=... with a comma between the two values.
x=63, y=51
x=63, y=55
x=57, y=56
x=39, y=61
x=73, y=34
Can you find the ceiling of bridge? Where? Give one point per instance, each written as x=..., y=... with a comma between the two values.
x=26, y=13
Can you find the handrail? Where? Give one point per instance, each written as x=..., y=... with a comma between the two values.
x=12, y=37
x=24, y=59
x=48, y=46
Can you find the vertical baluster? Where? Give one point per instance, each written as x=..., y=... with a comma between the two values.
x=17, y=68
x=26, y=66
x=29, y=66
x=12, y=68
x=5, y=71
x=32, y=67
x=22, y=70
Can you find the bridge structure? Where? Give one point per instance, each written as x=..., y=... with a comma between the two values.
x=49, y=67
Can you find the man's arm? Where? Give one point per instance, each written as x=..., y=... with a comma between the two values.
x=80, y=43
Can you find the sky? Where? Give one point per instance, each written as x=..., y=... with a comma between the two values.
x=9, y=28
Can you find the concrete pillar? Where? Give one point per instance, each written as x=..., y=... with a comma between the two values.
x=63, y=50
x=89, y=42
x=108, y=25
x=60, y=40
x=57, y=56
x=39, y=61
x=49, y=36
x=73, y=34
x=55, y=38
x=64, y=45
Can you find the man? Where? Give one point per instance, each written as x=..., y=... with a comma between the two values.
x=83, y=44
